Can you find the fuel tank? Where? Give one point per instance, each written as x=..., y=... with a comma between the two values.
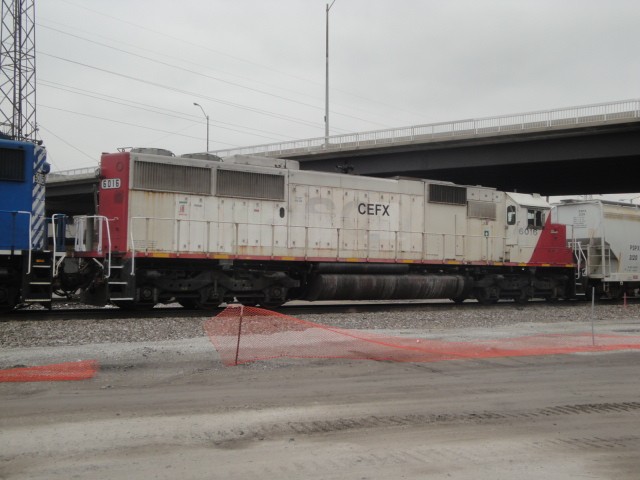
x=386, y=287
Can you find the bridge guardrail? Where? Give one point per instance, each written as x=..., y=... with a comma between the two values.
x=523, y=122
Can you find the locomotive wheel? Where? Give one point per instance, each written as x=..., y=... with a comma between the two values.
x=210, y=298
x=274, y=297
x=483, y=295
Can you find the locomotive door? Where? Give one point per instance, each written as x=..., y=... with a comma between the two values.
x=524, y=224
x=511, y=237
x=512, y=223
x=190, y=225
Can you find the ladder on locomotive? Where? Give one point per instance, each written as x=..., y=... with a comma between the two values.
x=117, y=281
x=37, y=282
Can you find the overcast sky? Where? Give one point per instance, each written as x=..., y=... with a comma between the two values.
x=125, y=73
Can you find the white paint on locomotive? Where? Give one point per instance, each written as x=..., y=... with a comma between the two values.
x=261, y=230
x=260, y=207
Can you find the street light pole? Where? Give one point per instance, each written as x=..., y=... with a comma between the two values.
x=207, y=117
x=326, y=93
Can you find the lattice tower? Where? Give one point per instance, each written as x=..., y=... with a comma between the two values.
x=18, y=70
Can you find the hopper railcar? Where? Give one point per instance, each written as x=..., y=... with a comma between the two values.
x=605, y=236
x=203, y=230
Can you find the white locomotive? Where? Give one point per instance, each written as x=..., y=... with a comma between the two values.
x=202, y=230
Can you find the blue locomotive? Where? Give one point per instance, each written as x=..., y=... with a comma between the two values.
x=26, y=266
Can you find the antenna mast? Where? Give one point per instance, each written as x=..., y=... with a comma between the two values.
x=18, y=70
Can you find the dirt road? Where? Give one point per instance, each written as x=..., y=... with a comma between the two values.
x=169, y=410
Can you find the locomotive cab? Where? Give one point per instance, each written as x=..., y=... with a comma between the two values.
x=526, y=216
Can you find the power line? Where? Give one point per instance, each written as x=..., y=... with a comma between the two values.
x=210, y=77
x=185, y=92
x=217, y=52
x=65, y=142
x=153, y=109
x=127, y=123
x=194, y=44
x=251, y=79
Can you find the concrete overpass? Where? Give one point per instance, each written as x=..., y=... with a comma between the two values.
x=588, y=149
x=72, y=192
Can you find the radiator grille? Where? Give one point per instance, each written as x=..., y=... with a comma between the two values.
x=485, y=210
x=264, y=186
x=447, y=194
x=12, y=164
x=172, y=178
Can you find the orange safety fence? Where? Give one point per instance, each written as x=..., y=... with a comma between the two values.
x=248, y=334
x=59, y=372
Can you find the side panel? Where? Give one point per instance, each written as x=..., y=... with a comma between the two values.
x=157, y=234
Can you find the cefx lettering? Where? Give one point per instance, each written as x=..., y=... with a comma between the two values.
x=373, y=209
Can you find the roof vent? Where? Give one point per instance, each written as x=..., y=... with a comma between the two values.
x=153, y=151
x=202, y=156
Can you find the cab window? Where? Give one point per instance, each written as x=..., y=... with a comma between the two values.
x=511, y=215
x=535, y=218
x=12, y=163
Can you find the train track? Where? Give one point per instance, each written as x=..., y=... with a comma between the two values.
x=61, y=311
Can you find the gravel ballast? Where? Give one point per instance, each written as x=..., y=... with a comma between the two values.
x=429, y=319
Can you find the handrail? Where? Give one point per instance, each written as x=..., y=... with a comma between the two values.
x=580, y=256
x=480, y=127
x=56, y=264
x=423, y=253
x=102, y=220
